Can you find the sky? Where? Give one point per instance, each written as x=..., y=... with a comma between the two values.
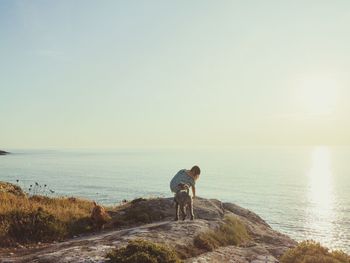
x=139, y=74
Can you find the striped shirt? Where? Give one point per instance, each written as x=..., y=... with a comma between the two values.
x=181, y=177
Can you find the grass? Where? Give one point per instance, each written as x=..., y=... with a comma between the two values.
x=37, y=218
x=143, y=251
x=231, y=232
x=312, y=252
x=30, y=218
x=11, y=188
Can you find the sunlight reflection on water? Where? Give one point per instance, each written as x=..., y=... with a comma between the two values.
x=320, y=214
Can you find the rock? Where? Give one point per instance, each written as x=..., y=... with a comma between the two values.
x=3, y=152
x=155, y=223
x=11, y=188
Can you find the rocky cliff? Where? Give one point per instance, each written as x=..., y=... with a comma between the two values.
x=153, y=220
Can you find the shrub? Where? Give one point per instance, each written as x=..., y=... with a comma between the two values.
x=142, y=251
x=41, y=218
x=79, y=226
x=231, y=232
x=34, y=226
x=312, y=252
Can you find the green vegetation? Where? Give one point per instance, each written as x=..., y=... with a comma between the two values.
x=231, y=232
x=37, y=218
x=143, y=251
x=312, y=252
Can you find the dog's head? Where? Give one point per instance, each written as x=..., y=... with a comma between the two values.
x=183, y=186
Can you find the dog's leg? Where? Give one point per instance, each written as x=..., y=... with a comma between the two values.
x=191, y=209
x=177, y=211
x=183, y=212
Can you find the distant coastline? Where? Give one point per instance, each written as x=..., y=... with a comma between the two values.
x=3, y=152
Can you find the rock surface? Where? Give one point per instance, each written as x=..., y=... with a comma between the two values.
x=3, y=152
x=266, y=245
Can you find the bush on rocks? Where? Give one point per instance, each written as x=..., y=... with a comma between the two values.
x=312, y=252
x=142, y=251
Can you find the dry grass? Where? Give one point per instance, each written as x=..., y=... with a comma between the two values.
x=231, y=232
x=65, y=209
x=312, y=252
x=39, y=218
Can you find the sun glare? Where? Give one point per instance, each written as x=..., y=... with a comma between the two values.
x=320, y=177
x=318, y=95
x=320, y=195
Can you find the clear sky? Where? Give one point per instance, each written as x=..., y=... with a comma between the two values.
x=110, y=74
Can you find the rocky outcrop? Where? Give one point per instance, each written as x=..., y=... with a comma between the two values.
x=11, y=188
x=153, y=220
x=3, y=152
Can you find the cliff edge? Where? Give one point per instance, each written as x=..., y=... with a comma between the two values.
x=152, y=219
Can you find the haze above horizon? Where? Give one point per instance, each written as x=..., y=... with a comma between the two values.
x=154, y=74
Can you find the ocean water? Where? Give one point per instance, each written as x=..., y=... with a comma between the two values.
x=301, y=191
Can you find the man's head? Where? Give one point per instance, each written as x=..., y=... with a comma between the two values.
x=195, y=171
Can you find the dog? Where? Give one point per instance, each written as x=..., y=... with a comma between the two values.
x=99, y=216
x=183, y=200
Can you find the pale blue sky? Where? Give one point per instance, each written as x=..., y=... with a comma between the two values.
x=109, y=74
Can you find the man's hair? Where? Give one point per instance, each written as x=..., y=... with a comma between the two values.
x=196, y=170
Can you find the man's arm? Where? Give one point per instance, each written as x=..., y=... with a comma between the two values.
x=194, y=191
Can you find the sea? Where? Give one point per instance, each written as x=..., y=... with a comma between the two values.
x=303, y=192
